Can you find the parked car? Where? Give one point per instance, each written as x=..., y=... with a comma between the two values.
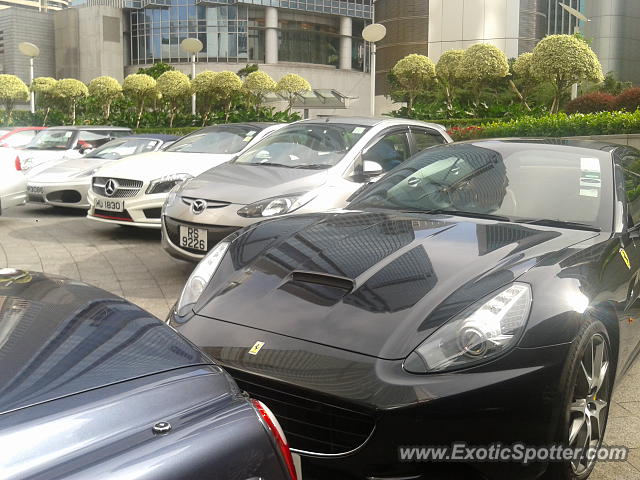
x=308, y=166
x=13, y=185
x=17, y=137
x=482, y=292
x=55, y=143
x=92, y=386
x=132, y=191
x=65, y=183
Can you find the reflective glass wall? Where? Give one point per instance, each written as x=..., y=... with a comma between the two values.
x=235, y=32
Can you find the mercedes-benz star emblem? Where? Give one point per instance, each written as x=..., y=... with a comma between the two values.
x=110, y=187
x=198, y=206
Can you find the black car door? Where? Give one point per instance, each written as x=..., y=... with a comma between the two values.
x=629, y=252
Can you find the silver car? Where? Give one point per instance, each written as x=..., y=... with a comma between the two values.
x=65, y=183
x=308, y=166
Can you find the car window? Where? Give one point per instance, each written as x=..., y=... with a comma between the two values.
x=123, y=147
x=522, y=182
x=52, y=140
x=19, y=139
x=631, y=168
x=119, y=133
x=425, y=139
x=389, y=152
x=92, y=139
x=312, y=146
x=221, y=140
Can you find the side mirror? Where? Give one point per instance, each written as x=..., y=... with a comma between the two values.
x=372, y=169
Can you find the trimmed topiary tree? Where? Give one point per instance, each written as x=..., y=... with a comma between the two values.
x=415, y=73
x=227, y=85
x=205, y=87
x=291, y=86
x=45, y=96
x=175, y=87
x=105, y=90
x=68, y=92
x=12, y=91
x=140, y=88
x=564, y=60
x=259, y=84
x=447, y=73
x=482, y=63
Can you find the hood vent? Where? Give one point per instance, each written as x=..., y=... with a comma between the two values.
x=343, y=283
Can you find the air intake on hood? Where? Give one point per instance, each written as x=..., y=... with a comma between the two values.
x=342, y=283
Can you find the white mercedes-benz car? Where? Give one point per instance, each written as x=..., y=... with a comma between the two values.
x=13, y=185
x=133, y=190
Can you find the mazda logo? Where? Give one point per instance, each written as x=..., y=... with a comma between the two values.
x=111, y=187
x=198, y=206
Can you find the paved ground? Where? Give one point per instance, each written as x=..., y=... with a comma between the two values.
x=131, y=263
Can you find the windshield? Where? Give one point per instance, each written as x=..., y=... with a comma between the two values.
x=522, y=182
x=222, y=140
x=304, y=146
x=52, y=140
x=123, y=148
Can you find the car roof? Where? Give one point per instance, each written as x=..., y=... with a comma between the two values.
x=88, y=127
x=256, y=125
x=370, y=121
x=557, y=141
x=154, y=136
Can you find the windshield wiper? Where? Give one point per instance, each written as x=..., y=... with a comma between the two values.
x=313, y=166
x=267, y=164
x=460, y=213
x=550, y=222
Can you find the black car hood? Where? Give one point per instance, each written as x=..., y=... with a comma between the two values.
x=245, y=184
x=59, y=337
x=372, y=283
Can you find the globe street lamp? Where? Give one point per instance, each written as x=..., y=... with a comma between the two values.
x=576, y=29
x=32, y=51
x=373, y=33
x=192, y=46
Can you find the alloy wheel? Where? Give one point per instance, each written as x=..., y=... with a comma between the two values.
x=590, y=404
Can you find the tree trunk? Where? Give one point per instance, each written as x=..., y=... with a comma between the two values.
x=171, y=117
x=108, y=113
x=46, y=115
x=519, y=94
x=447, y=92
x=73, y=113
x=140, y=109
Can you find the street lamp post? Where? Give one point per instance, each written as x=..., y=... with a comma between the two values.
x=32, y=51
x=192, y=46
x=576, y=29
x=373, y=33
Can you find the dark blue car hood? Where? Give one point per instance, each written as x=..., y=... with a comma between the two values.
x=59, y=337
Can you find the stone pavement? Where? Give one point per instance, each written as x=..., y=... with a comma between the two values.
x=131, y=263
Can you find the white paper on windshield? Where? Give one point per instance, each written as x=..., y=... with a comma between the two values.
x=590, y=178
x=249, y=136
x=358, y=130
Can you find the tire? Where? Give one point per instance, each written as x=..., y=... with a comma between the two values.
x=585, y=398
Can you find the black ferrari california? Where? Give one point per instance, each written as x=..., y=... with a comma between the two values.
x=482, y=292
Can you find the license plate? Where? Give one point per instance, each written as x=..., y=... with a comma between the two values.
x=195, y=238
x=109, y=205
x=35, y=190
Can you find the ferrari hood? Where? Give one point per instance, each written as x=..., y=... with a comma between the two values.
x=372, y=283
x=60, y=337
x=245, y=184
x=66, y=170
x=152, y=165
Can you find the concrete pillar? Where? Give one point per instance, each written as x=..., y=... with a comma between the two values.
x=346, y=31
x=271, y=35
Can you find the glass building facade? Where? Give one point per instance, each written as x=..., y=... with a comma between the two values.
x=234, y=31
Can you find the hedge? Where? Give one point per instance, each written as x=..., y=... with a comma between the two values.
x=555, y=125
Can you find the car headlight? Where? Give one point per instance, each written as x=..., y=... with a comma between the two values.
x=276, y=205
x=200, y=278
x=166, y=183
x=173, y=194
x=485, y=330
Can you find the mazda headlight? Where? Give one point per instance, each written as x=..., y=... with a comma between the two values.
x=485, y=330
x=166, y=183
x=276, y=205
x=200, y=278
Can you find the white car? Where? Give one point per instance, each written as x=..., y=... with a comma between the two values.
x=56, y=143
x=13, y=185
x=133, y=190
